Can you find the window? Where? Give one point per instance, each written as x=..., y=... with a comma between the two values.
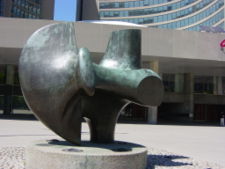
x=169, y=82
x=26, y=8
x=2, y=74
x=203, y=84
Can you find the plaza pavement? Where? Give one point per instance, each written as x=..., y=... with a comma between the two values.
x=205, y=143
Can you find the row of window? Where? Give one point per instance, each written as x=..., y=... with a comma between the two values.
x=24, y=12
x=148, y=11
x=132, y=4
x=24, y=2
x=215, y=19
x=3, y=69
x=25, y=9
x=177, y=14
x=37, y=1
x=202, y=84
x=180, y=23
x=221, y=25
x=17, y=101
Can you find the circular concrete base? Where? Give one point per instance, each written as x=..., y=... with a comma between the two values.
x=63, y=155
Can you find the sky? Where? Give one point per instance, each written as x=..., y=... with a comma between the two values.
x=64, y=10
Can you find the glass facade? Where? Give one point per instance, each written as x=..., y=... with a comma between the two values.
x=26, y=9
x=1, y=7
x=11, y=98
x=203, y=84
x=33, y=9
x=170, y=14
x=169, y=82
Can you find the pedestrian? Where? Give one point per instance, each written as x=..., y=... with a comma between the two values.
x=222, y=119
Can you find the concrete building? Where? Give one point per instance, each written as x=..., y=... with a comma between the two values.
x=192, y=65
x=168, y=14
x=176, y=14
x=34, y=9
x=10, y=94
x=189, y=94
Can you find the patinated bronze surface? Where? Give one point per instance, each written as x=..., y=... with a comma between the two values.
x=62, y=85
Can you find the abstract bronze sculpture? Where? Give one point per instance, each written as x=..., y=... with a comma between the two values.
x=61, y=84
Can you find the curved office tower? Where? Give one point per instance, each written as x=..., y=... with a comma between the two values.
x=171, y=14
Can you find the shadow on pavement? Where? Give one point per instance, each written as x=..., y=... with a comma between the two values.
x=192, y=123
x=166, y=161
x=175, y=123
x=26, y=135
x=18, y=117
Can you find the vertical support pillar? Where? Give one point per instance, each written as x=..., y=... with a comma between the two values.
x=9, y=89
x=217, y=85
x=152, y=115
x=179, y=83
x=189, y=92
x=220, y=85
x=153, y=110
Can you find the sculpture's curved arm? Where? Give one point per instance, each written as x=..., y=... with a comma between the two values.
x=131, y=84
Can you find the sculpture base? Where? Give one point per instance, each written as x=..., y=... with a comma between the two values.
x=63, y=155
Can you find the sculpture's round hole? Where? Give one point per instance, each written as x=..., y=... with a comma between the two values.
x=53, y=141
x=121, y=149
x=72, y=150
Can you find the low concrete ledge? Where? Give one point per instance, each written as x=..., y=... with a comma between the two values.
x=63, y=155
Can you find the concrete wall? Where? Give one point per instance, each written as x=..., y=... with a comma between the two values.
x=161, y=43
x=14, y=34
x=176, y=51
x=87, y=10
x=47, y=9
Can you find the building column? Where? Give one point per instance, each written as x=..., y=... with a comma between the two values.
x=153, y=110
x=152, y=115
x=179, y=83
x=9, y=89
x=217, y=85
x=189, y=94
x=220, y=85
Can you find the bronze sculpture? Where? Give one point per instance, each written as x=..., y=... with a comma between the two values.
x=61, y=84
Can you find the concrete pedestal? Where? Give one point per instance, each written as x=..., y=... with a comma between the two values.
x=62, y=155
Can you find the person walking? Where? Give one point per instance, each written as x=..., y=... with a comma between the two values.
x=222, y=119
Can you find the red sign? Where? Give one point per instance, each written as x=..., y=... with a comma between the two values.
x=222, y=44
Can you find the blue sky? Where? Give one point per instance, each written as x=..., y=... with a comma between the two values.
x=65, y=10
